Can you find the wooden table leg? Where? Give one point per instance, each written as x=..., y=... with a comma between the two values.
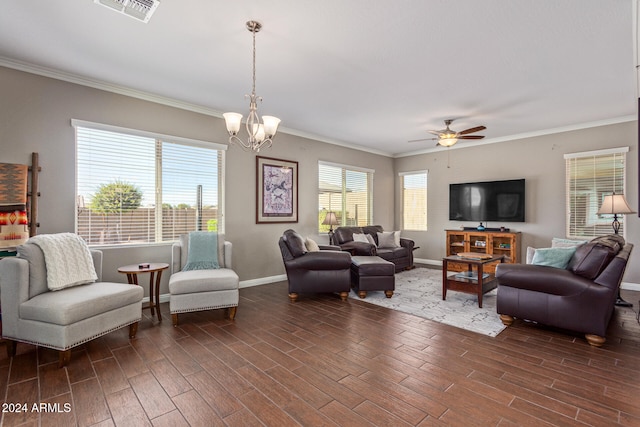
x=151, y=299
x=480, y=286
x=444, y=279
x=157, y=303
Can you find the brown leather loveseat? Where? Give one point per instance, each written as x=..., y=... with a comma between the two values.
x=401, y=256
x=580, y=298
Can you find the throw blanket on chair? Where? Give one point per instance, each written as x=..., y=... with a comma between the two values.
x=67, y=258
x=203, y=251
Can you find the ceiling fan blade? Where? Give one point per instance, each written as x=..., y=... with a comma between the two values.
x=436, y=132
x=472, y=130
x=471, y=137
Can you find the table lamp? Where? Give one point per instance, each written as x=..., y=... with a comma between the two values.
x=330, y=220
x=616, y=204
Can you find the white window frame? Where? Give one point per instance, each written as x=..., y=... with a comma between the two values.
x=593, y=225
x=402, y=175
x=345, y=168
x=159, y=138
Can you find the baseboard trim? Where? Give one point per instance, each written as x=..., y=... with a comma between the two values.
x=262, y=281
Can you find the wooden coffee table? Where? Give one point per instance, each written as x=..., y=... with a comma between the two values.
x=132, y=272
x=474, y=280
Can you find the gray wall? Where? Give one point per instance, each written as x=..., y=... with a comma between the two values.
x=35, y=116
x=540, y=161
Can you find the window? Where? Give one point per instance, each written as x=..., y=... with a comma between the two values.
x=414, y=200
x=346, y=191
x=133, y=187
x=591, y=176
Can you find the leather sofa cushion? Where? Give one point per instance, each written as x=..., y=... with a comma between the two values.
x=543, y=279
x=592, y=257
x=71, y=305
x=295, y=243
x=392, y=253
x=372, y=266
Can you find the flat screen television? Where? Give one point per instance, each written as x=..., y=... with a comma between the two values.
x=490, y=201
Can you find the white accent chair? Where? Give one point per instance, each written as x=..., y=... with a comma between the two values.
x=199, y=290
x=65, y=318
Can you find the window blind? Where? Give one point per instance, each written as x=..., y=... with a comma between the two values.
x=137, y=189
x=589, y=177
x=346, y=191
x=414, y=200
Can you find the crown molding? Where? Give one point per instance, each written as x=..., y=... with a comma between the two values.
x=170, y=102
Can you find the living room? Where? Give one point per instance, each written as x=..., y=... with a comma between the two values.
x=37, y=108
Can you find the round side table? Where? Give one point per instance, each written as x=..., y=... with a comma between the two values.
x=132, y=272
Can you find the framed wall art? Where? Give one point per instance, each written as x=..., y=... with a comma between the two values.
x=277, y=190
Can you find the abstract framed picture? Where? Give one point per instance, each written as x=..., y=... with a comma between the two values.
x=277, y=190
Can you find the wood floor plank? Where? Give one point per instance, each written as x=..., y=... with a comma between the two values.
x=196, y=411
x=126, y=410
x=89, y=402
x=152, y=397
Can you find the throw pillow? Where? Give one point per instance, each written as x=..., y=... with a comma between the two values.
x=371, y=240
x=389, y=239
x=360, y=237
x=553, y=257
x=311, y=245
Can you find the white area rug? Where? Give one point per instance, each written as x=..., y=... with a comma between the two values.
x=419, y=292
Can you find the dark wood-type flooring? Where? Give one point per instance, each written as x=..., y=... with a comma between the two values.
x=321, y=361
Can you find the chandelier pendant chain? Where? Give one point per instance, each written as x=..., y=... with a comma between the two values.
x=253, y=121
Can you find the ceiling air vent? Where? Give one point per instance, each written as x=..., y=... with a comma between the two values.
x=137, y=9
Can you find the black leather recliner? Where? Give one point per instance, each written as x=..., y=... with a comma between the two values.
x=580, y=298
x=402, y=257
x=327, y=270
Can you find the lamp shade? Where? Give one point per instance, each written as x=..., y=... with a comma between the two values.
x=233, y=121
x=330, y=219
x=270, y=125
x=448, y=140
x=615, y=204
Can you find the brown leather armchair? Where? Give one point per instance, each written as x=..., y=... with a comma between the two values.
x=402, y=257
x=580, y=298
x=327, y=270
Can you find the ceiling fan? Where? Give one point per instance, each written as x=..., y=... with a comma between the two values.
x=447, y=137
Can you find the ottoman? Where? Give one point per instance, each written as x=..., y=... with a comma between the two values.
x=372, y=273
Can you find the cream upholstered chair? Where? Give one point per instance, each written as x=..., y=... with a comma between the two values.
x=65, y=318
x=198, y=290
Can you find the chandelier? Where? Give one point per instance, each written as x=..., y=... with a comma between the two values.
x=260, y=134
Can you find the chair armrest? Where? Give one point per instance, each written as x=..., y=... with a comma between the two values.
x=14, y=289
x=330, y=248
x=96, y=255
x=407, y=243
x=323, y=260
x=176, y=250
x=359, y=248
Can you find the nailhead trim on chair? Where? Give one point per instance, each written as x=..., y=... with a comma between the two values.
x=76, y=343
x=203, y=308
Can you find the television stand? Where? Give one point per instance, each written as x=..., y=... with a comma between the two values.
x=488, y=242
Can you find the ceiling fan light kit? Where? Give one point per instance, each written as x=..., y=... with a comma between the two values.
x=448, y=137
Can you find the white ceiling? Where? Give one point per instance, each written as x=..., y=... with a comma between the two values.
x=371, y=73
